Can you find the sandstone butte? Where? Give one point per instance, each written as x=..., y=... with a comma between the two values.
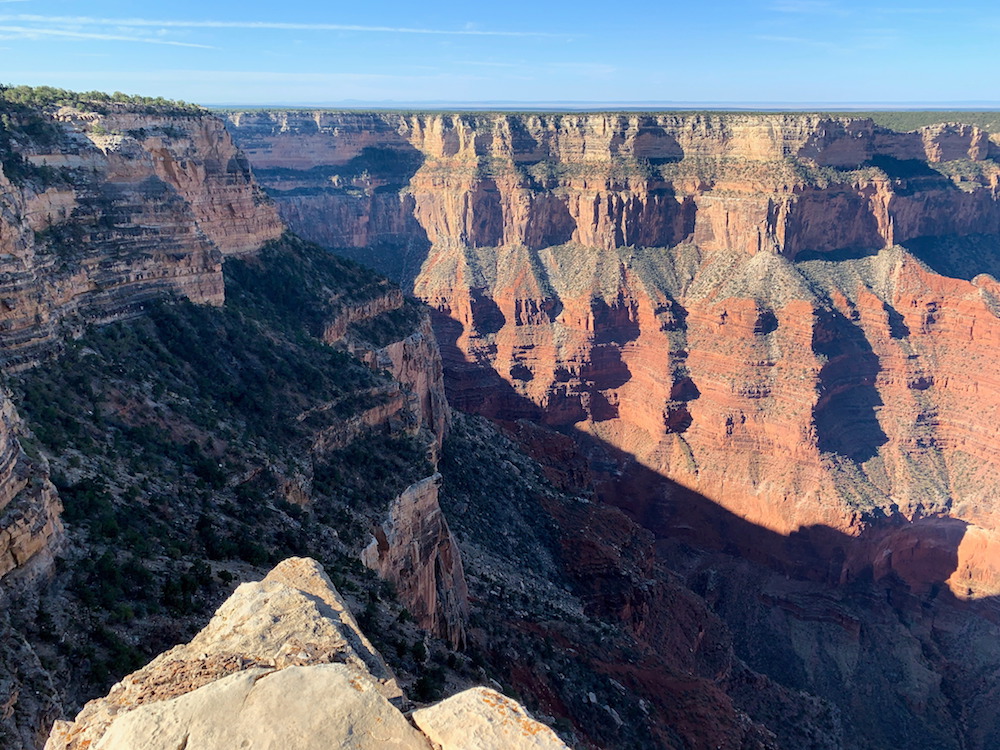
x=792, y=316
x=283, y=664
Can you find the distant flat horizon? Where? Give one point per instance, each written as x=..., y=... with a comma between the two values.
x=637, y=106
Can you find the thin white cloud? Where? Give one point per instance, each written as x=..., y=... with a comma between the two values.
x=26, y=32
x=912, y=11
x=491, y=64
x=874, y=39
x=267, y=25
x=801, y=6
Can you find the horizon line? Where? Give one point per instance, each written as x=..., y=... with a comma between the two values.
x=599, y=105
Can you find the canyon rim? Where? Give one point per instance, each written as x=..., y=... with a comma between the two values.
x=492, y=429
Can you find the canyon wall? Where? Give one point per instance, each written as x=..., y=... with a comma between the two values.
x=104, y=213
x=785, y=183
x=413, y=547
x=116, y=209
x=29, y=504
x=749, y=305
x=111, y=210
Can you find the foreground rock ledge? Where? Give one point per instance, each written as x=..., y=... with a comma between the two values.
x=284, y=665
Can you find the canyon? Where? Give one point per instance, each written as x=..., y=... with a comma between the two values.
x=769, y=338
x=684, y=442
x=107, y=212
x=747, y=305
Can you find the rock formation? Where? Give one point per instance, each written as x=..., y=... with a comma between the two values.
x=283, y=661
x=102, y=215
x=116, y=209
x=29, y=505
x=725, y=299
x=754, y=334
x=415, y=550
x=110, y=212
x=784, y=183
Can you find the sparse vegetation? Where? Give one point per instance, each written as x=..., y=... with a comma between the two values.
x=181, y=443
x=96, y=101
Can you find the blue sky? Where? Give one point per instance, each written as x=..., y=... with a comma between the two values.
x=299, y=52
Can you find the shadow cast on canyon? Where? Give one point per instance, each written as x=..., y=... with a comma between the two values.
x=846, y=413
x=816, y=610
x=959, y=257
x=677, y=513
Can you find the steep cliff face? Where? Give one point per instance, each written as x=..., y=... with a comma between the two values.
x=726, y=299
x=784, y=183
x=114, y=209
x=414, y=548
x=29, y=504
x=103, y=214
x=117, y=209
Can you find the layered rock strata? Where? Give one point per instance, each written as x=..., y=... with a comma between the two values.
x=29, y=504
x=749, y=305
x=101, y=214
x=414, y=548
x=283, y=661
x=106, y=212
x=119, y=208
x=784, y=183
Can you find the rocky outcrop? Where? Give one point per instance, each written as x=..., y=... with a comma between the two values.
x=283, y=661
x=29, y=504
x=193, y=155
x=324, y=706
x=294, y=617
x=415, y=550
x=482, y=719
x=415, y=362
x=409, y=353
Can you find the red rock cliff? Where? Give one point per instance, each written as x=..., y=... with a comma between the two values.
x=664, y=283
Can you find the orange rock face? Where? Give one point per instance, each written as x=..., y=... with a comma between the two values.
x=733, y=301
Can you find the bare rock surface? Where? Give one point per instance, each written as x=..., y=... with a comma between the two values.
x=283, y=664
x=483, y=719
x=323, y=706
x=294, y=617
x=415, y=549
